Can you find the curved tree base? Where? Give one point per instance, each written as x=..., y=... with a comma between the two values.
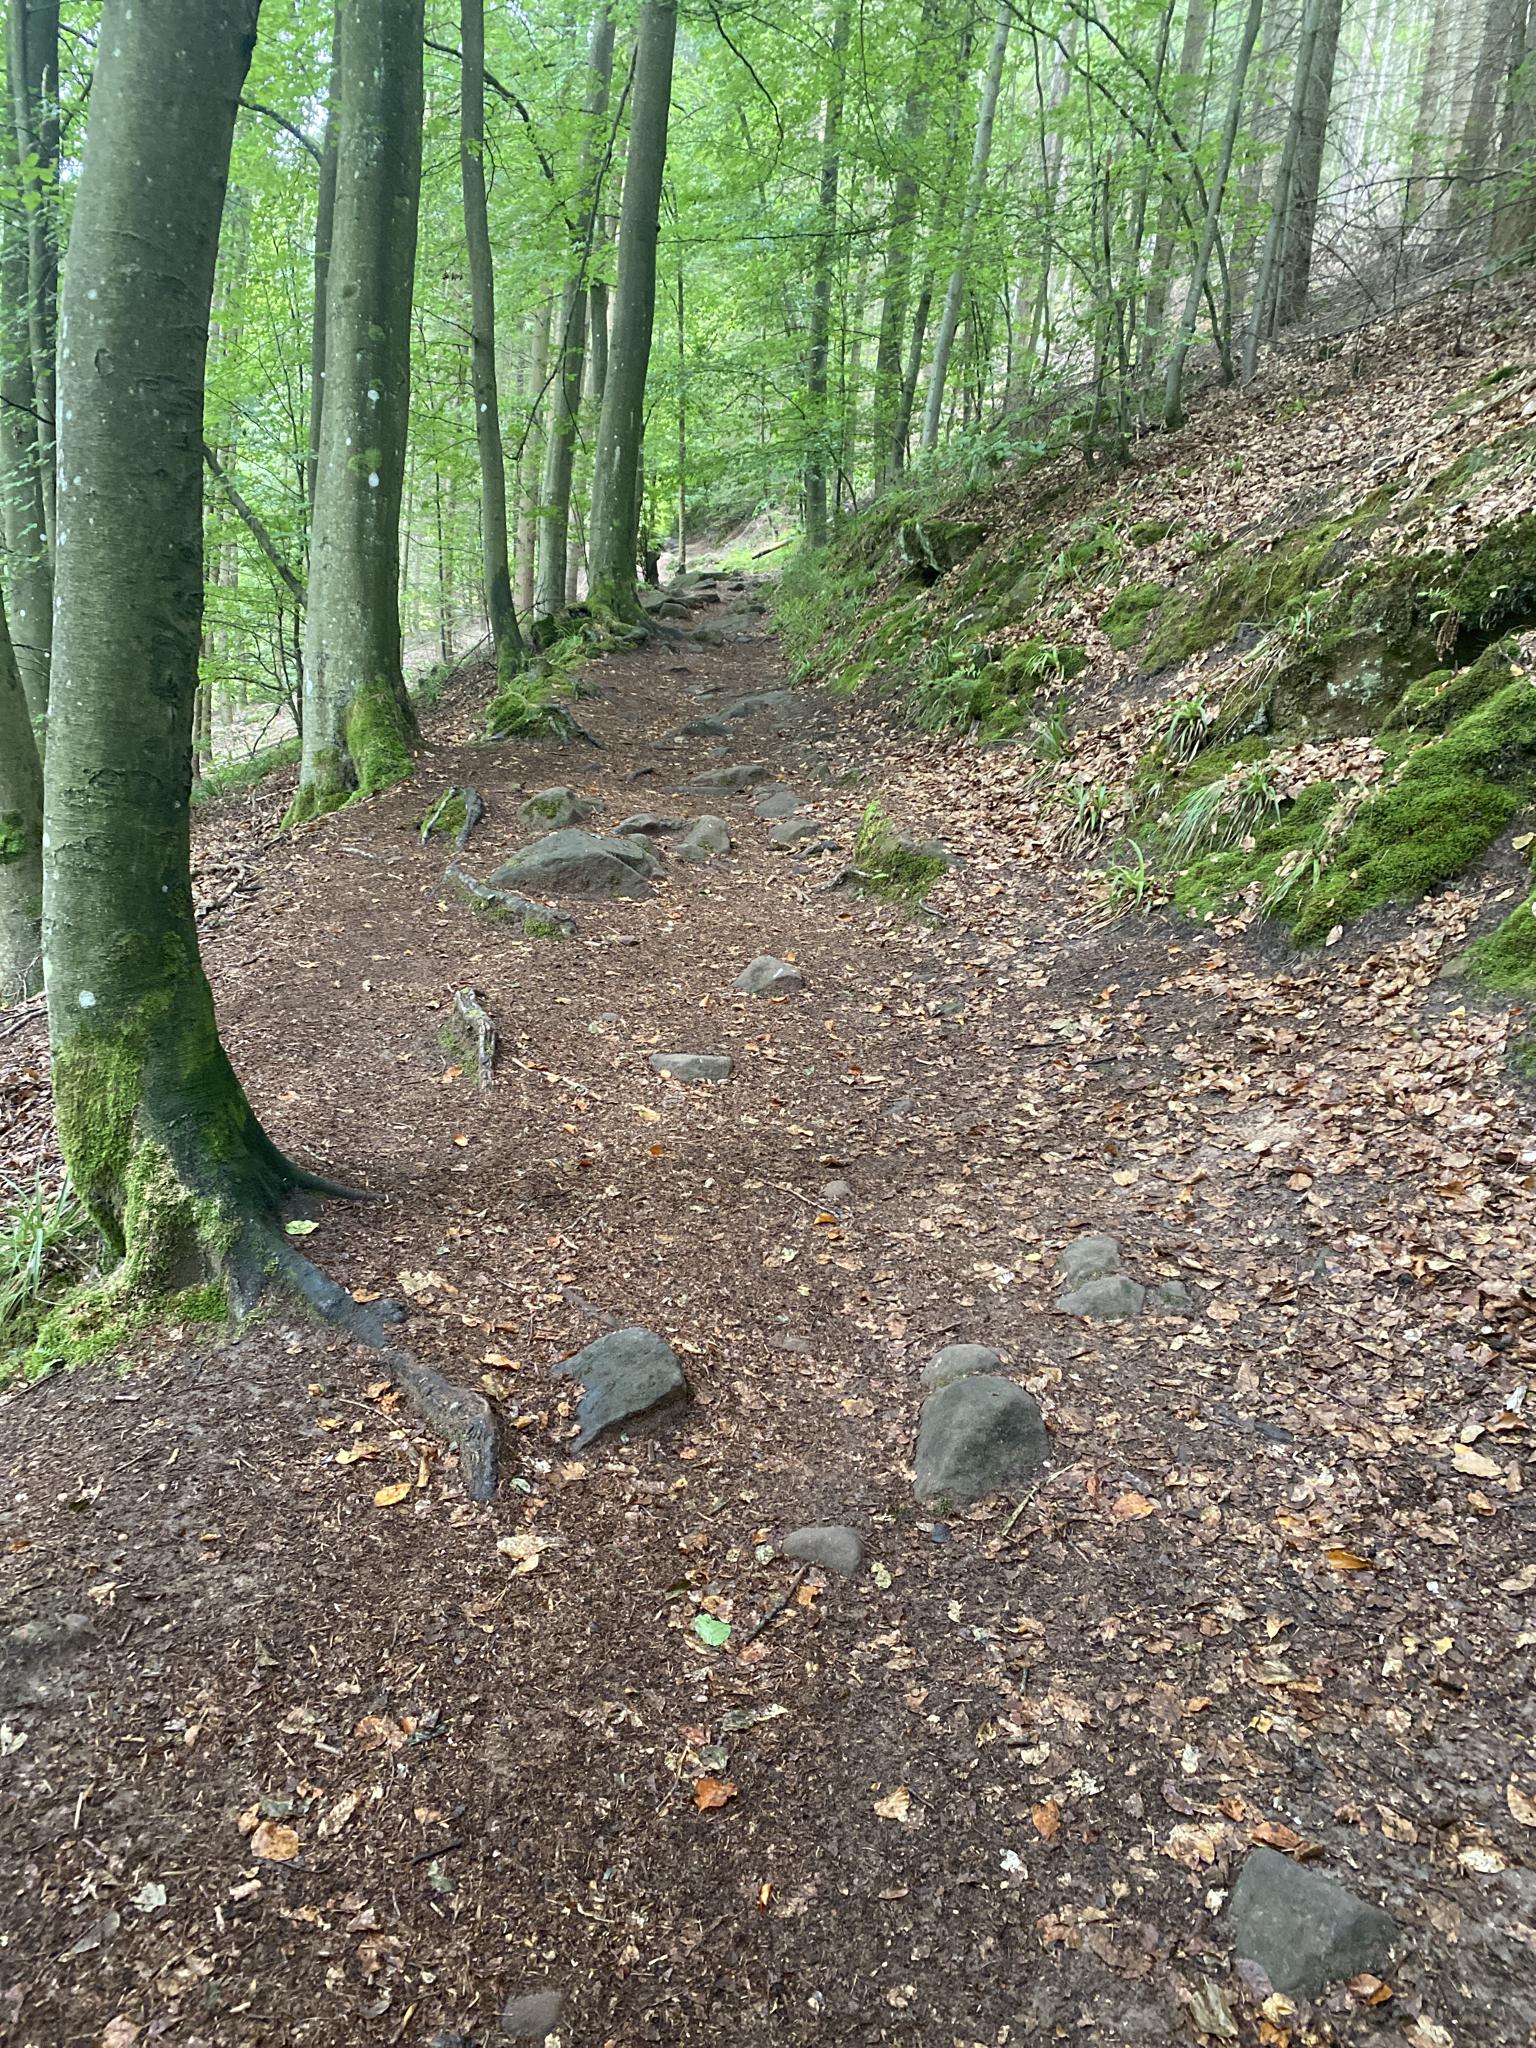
x=373, y=755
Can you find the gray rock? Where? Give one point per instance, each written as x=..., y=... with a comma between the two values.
x=978, y=1435
x=1111, y=1298
x=751, y=707
x=669, y=608
x=731, y=780
x=958, y=1362
x=35, y=1656
x=1086, y=1258
x=692, y=1067
x=702, y=729
x=706, y=839
x=794, y=831
x=531, y=2016
x=766, y=976
x=776, y=803
x=576, y=863
x=1302, y=1929
x=831, y=1545
x=627, y=1376
x=646, y=825
x=446, y=2038
x=1170, y=1298
x=835, y=1191
x=557, y=807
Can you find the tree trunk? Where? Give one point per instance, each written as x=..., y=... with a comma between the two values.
x=500, y=611
x=896, y=287
x=1426, y=133
x=1514, y=223
x=615, y=523
x=1173, y=383
x=34, y=53
x=28, y=570
x=1479, y=135
x=1183, y=99
x=817, y=353
x=1314, y=99
x=570, y=368
x=954, y=298
x=358, y=722
x=21, y=835
x=531, y=463
x=1262, y=321
x=159, y=1140
x=325, y=227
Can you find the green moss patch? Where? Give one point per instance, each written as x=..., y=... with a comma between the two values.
x=1505, y=961
x=890, y=864
x=1130, y=612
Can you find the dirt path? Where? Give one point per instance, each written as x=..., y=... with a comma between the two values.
x=1274, y=1586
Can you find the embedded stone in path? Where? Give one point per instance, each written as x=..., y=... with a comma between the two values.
x=576, y=863
x=692, y=1067
x=793, y=831
x=1087, y=1258
x=701, y=729
x=764, y=700
x=978, y=1435
x=766, y=976
x=1108, y=1298
x=1302, y=1929
x=831, y=1545
x=1170, y=1298
x=705, y=839
x=729, y=781
x=627, y=1376
x=959, y=1362
x=776, y=803
x=646, y=825
x=557, y=807
x=531, y=2016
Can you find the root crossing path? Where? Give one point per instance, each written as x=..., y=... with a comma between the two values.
x=300, y=1744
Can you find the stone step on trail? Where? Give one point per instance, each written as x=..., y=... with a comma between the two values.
x=730, y=780
x=692, y=1068
x=833, y=1546
x=777, y=803
x=706, y=839
x=976, y=1436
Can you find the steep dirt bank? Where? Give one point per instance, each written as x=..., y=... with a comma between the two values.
x=993, y=1789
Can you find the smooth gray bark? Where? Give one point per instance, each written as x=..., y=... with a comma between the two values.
x=615, y=520
x=1315, y=100
x=818, y=351
x=896, y=286
x=21, y=835
x=325, y=227
x=500, y=611
x=34, y=67
x=26, y=573
x=531, y=463
x=358, y=723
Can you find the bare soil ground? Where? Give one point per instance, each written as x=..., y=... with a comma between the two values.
x=1275, y=1586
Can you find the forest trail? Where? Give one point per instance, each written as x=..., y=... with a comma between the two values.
x=994, y=1787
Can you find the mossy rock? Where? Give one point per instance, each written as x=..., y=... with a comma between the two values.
x=930, y=548
x=1505, y=961
x=1130, y=612
x=1146, y=533
x=1404, y=842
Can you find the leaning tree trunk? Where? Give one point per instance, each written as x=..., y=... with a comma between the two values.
x=506, y=640
x=954, y=298
x=1173, y=381
x=551, y=584
x=159, y=1140
x=819, y=351
x=21, y=835
x=34, y=55
x=1315, y=100
x=615, y=518
x=28, y=571
x=358, y=722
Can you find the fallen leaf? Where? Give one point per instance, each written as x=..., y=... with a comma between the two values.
x=709, y=1628
x=118, y=2033
x=1047, y=1820
x=1522, y=1801
x=336, y=1816
x=1276, y=1835
x=709, y=1794
x=1475, y=1464
x=274, y=1843
x=1132, y=1507
x=1482, y=1859
x=391, y=1496
x=524, y=1547
x=895, y=1805
x=299, y=1228
x=356, y=1454
x=1347, y=1561
x=1368, y=1989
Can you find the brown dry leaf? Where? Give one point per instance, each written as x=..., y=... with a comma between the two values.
x=1521, y=1801
x=391, y=1496
x=1368, y=1989
x=1482, y=1859
x=356, y=1454
x=895, y=1805
x=1475, y=1464
x=1047, y=1820
x=1132, y=1507
x=709, y=1794
x=377, y=1731
x=274, y=1843
x=337, y=1815
x=118, y=2033
x=1347, y=1560
x=524, y=1547
x=1277, y=1835
x=1191, y=1846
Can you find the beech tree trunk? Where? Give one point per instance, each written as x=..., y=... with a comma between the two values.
x=896, y=288
x=531, y=460
x=500, y=611
x=34, y=57
x=160, y=1142
x=615, y=520
x=818, y=352
x=325, y=228
x=358, y=722
x=954, y=298
x=551, y=586
x=21, y=835
x=28, y=572
x=1313, y=102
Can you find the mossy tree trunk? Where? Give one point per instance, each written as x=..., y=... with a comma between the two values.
x=159, y=1139
x=28, y=569
x=21, y=835
x=358, y=722
x=553, y=580
x=615, y=520
x=485, y=391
